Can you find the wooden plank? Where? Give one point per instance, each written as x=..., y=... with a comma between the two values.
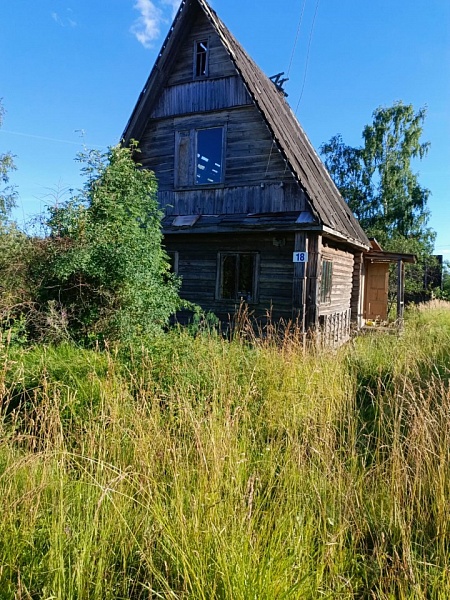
x=197, y=266
x=313, y=275
x=230, y=200
x=182, y=158
x=201, y=96
x=342, y=279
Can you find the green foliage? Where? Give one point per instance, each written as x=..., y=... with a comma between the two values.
x=8, y=193
x=29, y=375
x=16, y=289
x=103, y=266
x=446, y=280
x=229, y=470
x=378, y=182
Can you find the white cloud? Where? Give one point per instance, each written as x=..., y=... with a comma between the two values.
x=62, y=20
x=57, y=19
x=175, y=4
x=146, y=28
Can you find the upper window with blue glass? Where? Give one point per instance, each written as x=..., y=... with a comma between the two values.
x=209, y=160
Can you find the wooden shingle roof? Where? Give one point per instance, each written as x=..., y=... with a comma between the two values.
x=305, y=164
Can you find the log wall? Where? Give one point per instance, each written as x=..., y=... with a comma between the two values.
x=342, y=280
x=198, y=262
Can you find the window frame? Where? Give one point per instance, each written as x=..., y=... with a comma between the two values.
x=185, y=157
x=326, y=281
x=219, y=276
x=205, y=74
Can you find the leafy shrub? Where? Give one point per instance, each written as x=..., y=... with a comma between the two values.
x=102, y=268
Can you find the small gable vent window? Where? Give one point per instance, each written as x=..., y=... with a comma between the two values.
x=209, y=161
x=237, y=276
x=326, y=283
x=201, y=58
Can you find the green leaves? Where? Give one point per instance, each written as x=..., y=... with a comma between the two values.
x=106, y=264
x=378, y=183
x=377, y=179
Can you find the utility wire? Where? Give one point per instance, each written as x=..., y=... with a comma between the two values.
x=47, y=139
x=296, y=38
x=307, y=55
x=287, y=75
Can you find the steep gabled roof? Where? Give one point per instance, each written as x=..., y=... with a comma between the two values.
x=287, y=132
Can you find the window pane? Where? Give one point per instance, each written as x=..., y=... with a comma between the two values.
x=201, y=53
x=229, y=273
x=209, y=155
x=246, y=272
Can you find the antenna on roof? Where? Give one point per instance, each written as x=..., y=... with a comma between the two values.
x=279, y=81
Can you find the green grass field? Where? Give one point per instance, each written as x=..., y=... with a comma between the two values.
x=204, y=469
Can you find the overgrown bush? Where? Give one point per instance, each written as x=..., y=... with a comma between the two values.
x=101, y=273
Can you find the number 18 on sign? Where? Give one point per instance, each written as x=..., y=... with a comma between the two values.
x=300, y=257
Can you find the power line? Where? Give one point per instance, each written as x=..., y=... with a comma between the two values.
x=48, y=139
x=287, y=75
x=296, y=38
x=307, y=55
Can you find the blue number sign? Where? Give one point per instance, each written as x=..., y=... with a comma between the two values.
x=300, y=257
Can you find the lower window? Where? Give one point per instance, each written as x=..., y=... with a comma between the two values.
x=237, y=276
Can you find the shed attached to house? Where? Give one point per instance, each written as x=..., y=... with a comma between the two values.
x=250, y=212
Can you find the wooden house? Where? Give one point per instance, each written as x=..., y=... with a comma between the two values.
x=250, y=212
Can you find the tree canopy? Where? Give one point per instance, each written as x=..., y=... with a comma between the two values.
x=378, y=181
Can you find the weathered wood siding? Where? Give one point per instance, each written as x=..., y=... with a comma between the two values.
x=201, y=96
x=342, y=280
x=220, y=64
x=255, y=179
x=231, y=200
x=197, y=266
x=250, y=155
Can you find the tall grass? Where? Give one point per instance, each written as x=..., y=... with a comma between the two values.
x=204, y=468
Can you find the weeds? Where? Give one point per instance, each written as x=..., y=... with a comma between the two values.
x=206, y=468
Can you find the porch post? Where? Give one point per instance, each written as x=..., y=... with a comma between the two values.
x=400, y=291
x=357, y=290
x=299, y=281
x=313, y=277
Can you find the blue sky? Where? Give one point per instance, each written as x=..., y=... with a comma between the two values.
x=71, y=72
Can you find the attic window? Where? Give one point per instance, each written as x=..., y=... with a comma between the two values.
x=201, y=58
